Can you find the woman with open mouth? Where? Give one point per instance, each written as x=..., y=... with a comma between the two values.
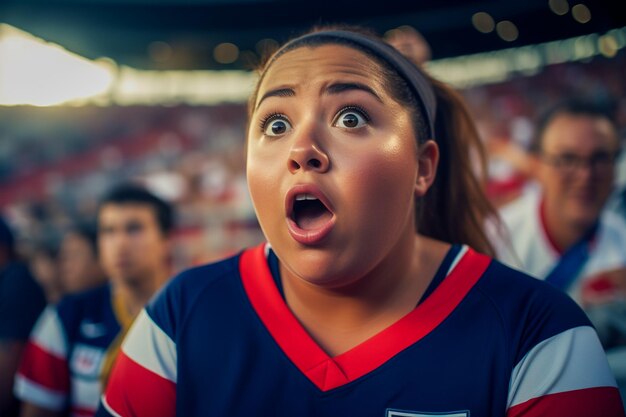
x=375, y=294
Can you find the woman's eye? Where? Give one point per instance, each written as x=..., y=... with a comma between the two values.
x=351, y=119
x=276, y=126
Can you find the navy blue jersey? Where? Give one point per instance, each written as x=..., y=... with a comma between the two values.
x=61, y=365
x=486, y=340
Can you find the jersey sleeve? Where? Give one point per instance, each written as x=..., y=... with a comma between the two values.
x=43, y=375
x=143, y=380
x=565, y=375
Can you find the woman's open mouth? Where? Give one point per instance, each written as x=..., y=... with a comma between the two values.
x=309, y=216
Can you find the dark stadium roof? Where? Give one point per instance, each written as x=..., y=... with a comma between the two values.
x=190, y=29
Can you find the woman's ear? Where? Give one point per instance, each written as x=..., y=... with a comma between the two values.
x=427, y=160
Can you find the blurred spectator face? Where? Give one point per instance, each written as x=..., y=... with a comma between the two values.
x=78, y=264
x=410, y=43
x=577, y=170
x=131, y=244
x=43, y=265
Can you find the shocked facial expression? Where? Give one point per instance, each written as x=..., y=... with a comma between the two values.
x=331, y=164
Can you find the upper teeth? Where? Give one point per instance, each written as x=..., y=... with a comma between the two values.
x=302, y=197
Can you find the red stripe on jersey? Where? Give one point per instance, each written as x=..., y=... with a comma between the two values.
x=549, y=238
x=327, y=372
x=136, y=391
x=45, y=368
x=588, y=402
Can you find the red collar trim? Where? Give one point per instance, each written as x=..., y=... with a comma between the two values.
x=591, y=234
x=331, y=372
x=544, y=227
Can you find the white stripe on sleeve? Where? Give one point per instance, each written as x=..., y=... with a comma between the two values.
x=30, y=391
x=151, y=347
x=48, y=333
x=571, y=360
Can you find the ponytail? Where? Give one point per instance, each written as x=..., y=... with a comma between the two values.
x=456, y=209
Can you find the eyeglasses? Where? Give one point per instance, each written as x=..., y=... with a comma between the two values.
x=568, y=163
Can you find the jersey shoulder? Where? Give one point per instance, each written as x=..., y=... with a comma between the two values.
x=174, y=302
x=531, y=310
x=92, y=306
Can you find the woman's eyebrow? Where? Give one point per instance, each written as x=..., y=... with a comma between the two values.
x=338, y=88
x=279, y=92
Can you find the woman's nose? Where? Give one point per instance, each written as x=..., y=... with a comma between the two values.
x=307, y=154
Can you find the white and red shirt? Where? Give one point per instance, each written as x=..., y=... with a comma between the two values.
x=533, y=252
x=61, y=364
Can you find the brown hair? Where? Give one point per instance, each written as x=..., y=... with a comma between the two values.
x=455, y=209
x=573, y=106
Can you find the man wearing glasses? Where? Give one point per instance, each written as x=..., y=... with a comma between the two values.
x=562, y=234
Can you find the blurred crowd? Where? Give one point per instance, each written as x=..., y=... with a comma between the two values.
x=506, y=114
x=192, y=157
x=57, y=161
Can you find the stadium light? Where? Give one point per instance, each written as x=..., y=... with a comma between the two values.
x=35, y=72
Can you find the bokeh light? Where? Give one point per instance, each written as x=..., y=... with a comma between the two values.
x=507, y=30
x=560, y=7
x=608, y=46
x=160, y=51
x=483, y=22
x=226, y=53
x=581, y=13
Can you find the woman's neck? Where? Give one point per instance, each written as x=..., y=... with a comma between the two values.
x=341, y=318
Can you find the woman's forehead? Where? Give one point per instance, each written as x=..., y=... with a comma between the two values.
x=307, y=64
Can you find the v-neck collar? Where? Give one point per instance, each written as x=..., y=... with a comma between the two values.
x=328, y=372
